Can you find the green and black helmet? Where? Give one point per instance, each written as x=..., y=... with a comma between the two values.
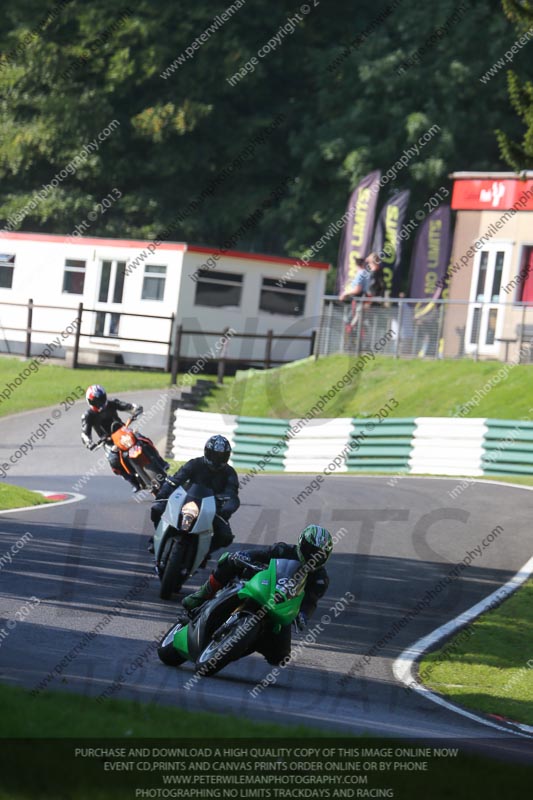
x=314, y=546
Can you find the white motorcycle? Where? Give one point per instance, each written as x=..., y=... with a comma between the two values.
x=183, y=535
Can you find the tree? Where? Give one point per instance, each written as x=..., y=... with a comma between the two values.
x=332, y=79
x=519, y=155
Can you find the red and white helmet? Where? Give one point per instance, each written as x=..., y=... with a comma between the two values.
x=96, y=396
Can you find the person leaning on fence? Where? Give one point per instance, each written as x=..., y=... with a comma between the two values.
x=356, y=288
x=376, y=281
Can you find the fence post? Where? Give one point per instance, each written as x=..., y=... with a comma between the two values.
x=359, y=325
x=77, y=338
x=169, y=353
x=28, y=328
x=328, y=331
x=521, y=338
x=442, y=309
x=479, y=330
x=176, y=354
x=399, y=323
x=312, y=343
x=221, y=366
x=268, y=349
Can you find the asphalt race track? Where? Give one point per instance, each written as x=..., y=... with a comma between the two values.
x=84, y=558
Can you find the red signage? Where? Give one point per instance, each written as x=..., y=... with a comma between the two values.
x=492, y=194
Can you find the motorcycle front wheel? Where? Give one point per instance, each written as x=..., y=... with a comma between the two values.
x=151, y=477
x=176, y=572
x=233, y=642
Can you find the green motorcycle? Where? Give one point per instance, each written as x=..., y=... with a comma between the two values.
x=233, y=622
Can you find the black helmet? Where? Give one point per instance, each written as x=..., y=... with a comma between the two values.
x=96, y=397
x=217, y=451
x=314, y=546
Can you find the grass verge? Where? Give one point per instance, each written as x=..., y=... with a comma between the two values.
x=39, y=759
x=491, y=668
x=50, y=384
x=17, y=497
x=525, y=480
x=66, y=715
x=290, y=391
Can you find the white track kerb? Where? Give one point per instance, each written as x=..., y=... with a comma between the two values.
x=74, y=497
x=405, y=666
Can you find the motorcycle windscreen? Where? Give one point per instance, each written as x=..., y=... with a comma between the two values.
x=280, y=588
x=195, y=491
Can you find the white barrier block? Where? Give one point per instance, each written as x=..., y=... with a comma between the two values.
x=447, y=446
x=193, y=428
x=317, y=444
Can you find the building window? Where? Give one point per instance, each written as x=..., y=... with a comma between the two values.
x=154, y=283
x=217, y=289
x=7, y=267
x=74, y=276
x=288, y=300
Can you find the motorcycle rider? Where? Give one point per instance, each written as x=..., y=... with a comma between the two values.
x=102, y=418
x=213, y=472
x=313, y=549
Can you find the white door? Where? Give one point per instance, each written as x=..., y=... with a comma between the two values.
x=485, y=314
x=110, y=291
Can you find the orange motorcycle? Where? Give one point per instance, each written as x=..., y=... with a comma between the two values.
x=138, y=455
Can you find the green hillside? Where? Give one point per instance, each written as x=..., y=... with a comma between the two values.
x=421, y=388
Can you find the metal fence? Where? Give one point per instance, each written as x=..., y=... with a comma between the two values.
x=407, y=328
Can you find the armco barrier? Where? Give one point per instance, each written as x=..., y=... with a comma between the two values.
x=423, y=445
x=508, y=447
x=256, y=439
x=380, y=446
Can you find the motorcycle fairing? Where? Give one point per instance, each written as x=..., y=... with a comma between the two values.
x=277, y=588
x=202, y=527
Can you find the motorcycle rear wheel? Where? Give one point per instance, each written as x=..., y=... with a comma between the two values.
x=167, y=652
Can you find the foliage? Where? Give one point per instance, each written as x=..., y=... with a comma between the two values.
x=519, y=155
x=64, y=77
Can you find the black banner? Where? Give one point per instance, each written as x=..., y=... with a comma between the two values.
x=387, y=241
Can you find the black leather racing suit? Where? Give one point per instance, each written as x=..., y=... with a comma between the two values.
x=223, y=482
